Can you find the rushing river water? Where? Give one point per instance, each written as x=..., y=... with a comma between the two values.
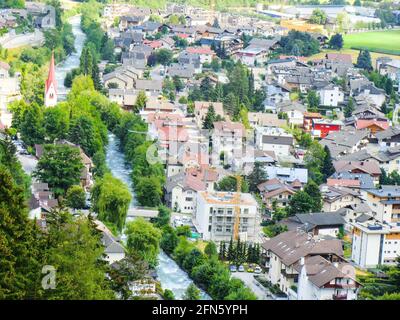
x=171, y=276
x=72, y=61
x=169, y=273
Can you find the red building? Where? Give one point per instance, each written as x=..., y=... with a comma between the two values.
x=322, y=127
x=308, y=120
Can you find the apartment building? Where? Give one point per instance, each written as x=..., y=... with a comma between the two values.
x=227, y=139
x=375, y=243
x=215, y=216
x=385, y=203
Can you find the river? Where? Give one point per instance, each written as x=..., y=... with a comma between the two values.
x=72, y=61
x=170, y=275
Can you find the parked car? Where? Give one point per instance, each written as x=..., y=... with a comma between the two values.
x=233, y=268
x=257, y=270
x=241, y=269
x=250, y=269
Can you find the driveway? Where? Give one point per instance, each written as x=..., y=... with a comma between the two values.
x=248, y=279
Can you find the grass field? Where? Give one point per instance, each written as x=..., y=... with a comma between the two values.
x=375, y=41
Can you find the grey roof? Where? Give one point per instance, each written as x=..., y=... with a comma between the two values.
x=366, y=181
x=290, y=246
x=388, y=133
x=363, y=218
x=386, y=191
x=152, y=85
x=277, y=140
x=111, y=245
x=312, y=220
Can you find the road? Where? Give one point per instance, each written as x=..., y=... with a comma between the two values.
x=250, y=282
x=31, y=39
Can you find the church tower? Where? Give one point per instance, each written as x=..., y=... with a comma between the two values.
x=50, y=90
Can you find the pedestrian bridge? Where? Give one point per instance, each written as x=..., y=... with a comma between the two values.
x=143, y=212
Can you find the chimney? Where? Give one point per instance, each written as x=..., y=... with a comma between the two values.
x=302, y=261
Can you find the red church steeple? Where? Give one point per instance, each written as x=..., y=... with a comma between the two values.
x=50, y=91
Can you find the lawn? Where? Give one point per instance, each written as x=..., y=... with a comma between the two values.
x=376, y=41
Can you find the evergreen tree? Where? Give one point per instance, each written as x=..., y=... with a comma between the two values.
x=210, y=118
x=312, y=189
x=257, y=176
x=231, y=251
x=349, y=108
x=336, y=41
x=327, y=167
x=222, y=250
x=192, y=293
x=364, y=60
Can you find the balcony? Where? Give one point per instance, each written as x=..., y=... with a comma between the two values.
x=340, y=296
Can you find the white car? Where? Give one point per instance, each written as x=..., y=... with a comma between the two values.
x=257, y=270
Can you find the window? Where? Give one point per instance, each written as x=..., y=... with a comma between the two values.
x=189, y=199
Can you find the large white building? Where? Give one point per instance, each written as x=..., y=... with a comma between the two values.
x=375, y=243
x=273, y=139
x=215, y=216
x=331, y=95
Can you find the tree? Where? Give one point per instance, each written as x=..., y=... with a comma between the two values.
x=300, y=202
x=75, y=251
x=144, y=239
x=32, y=125
x=164, y=56
x=211, y=249
x=76, y=197
x=314, y=159
x=60, y=166
x=229, y=184
x=318, y=17
x=301, y=43
x=364, y=60
x=349, y=108
x=312, y=100
x=191, y=293
x=312, y=189
x=111, y=199
x=210, y=118
x=83, y=133
x=169, y=239
x=168, y=295
x=148, y=191
x=257, y=176
x=357, y=3
x=140, y=103
x=164, y=216
x=336, y=42
x=327, y=168
x=130, y=268
x=222, y=250
x=55, y=124
x=20, y=249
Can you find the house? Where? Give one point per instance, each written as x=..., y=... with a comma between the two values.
x=191, y=60
x=182, y=71
x=113, y=249
x=322, y=127
x=122, y=77
x=372, y=94
x=318, y=223
x=215, y=216
x=227, y=139
x=273, y=139
x=330, y=95
x=339, y=63
x=355, y=181
x=124, y=97
x=275, y=94
x=370, y=167
x=390, y=67
x=201, y=109
x=265, y=120
x=319, y=279
x=345, y=142
x=252, y=56
x=276, y=193
x=372, y=125
x=335, y=198
x=294, y=111
x=9, y=91
x=284, y=253
x=375, y=243
x=150, y=87
x=308, y=118
x=125, y=22
x=388, y=138
x=288, y=175
x=181, y=189
x=205, y=53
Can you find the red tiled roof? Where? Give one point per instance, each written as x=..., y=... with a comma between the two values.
x=199, y=50
x=363, y=123
x=343, y=183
